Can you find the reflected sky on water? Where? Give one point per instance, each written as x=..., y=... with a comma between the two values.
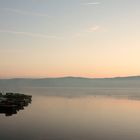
x=74, y=118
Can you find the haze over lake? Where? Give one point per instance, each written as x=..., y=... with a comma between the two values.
x=75, y=113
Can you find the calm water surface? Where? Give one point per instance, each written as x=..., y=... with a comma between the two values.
x=75, y=114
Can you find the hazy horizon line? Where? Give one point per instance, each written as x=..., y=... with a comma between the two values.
x=130, y=76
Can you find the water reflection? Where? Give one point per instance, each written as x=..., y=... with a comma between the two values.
x=78, y=117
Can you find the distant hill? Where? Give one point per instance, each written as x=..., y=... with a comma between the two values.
x=132, y=81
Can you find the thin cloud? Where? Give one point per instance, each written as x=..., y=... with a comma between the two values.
x=24, y=12
x=92, y=3
x=29, y=34
x=93, y=28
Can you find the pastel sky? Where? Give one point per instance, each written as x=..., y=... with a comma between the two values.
x=54, y=38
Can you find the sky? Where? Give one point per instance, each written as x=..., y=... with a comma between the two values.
x=57, y=38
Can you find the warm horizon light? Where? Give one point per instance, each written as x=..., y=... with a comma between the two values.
x=80, y=38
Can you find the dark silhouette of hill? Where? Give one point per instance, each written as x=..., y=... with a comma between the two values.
x=133, y=81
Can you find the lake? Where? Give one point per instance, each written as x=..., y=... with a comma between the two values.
x=75, y=114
